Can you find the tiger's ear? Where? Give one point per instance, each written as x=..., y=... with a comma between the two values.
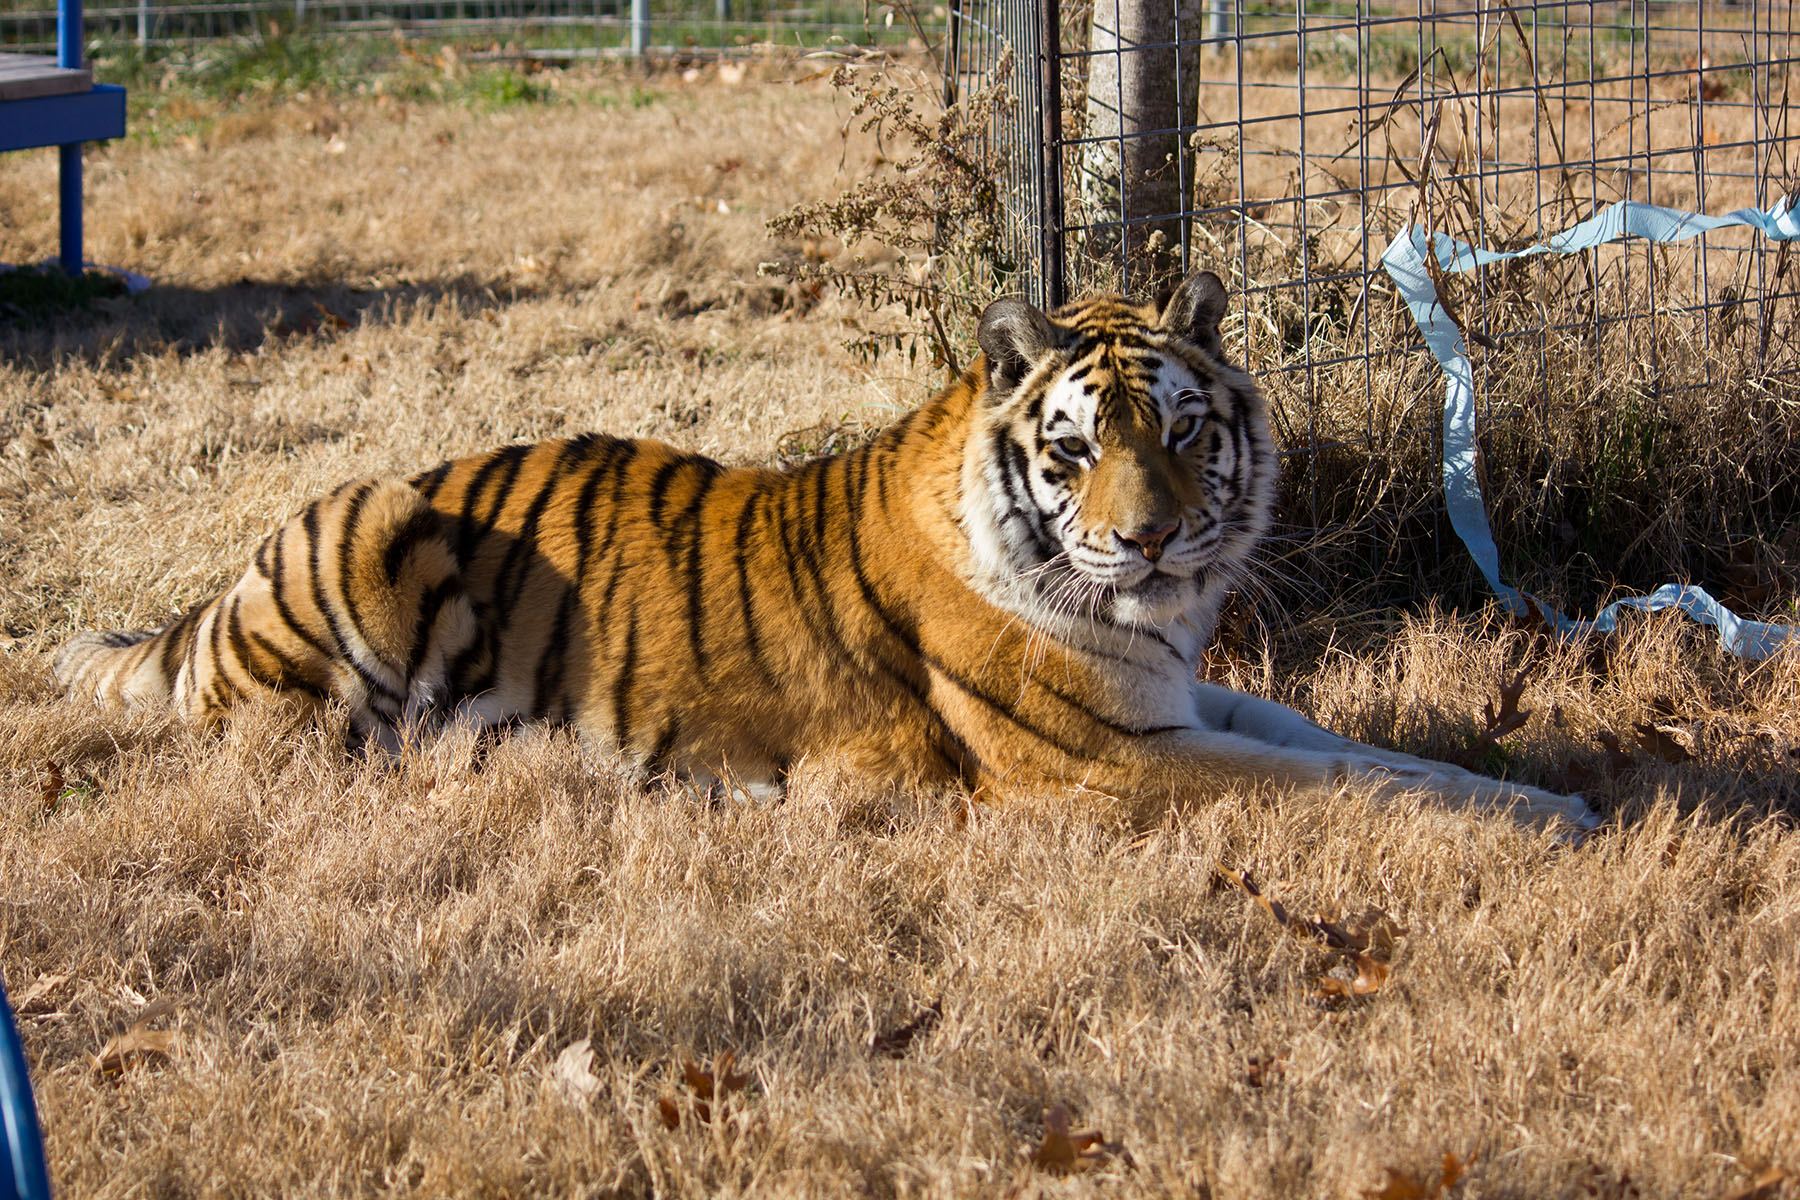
x=1014, y=336
x=1194, y=311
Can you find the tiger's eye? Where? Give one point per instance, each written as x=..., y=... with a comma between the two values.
x=1072, y=448
x=1183, y=428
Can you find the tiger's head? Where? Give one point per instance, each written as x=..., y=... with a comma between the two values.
x=1118, y=469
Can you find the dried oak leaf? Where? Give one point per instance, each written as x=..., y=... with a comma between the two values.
x=1270, y=905
x=51, y=790
x=1401, y=1186
x=896, y=1042
x=1618, y=759
x=1659, y=741
x=716, y=1084
x=1499, y=722
x=1371, y=929
x=39, y=991
x=1265, y=1069
x=572, y=1075
x=669, y=1113
x=139, y=1043
x=1371, y=976
x=1766, y=1186
x=1064, y=1151
x=1604, y=1185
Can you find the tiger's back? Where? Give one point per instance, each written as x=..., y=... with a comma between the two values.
x=699, y=617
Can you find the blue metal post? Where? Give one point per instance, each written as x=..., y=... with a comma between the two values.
x=23, y=1172
x=68, y=56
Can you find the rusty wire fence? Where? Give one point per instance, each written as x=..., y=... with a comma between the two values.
x=1285, y=144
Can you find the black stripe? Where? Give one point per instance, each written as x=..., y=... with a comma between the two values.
x=793, y=530
x=288, y=673
x=483, y=645
x=659, y=760
x=685, y=543
x=422, y=526
x=346, y=536
x=905, y=675
x=214, y=643
x=469, y=530
x=623, y=681
x=309, y=522
x=741, y=561
x=430, y=605
x=1021, y=507
x=234, y=637
x=277, y=592
x=428, y=482
x=617, y=458
x=659, y=487
x=553, y=660
x=509, y=581
x=618, y=559
x=177, y=639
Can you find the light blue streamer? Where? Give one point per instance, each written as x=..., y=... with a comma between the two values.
x=1405, y=262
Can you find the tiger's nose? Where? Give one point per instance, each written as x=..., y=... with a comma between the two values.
x=1148, y=541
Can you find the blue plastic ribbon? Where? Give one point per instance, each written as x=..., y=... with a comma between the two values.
x=1405, y=262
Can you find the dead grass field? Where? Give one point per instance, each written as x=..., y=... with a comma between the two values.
x=462, y=975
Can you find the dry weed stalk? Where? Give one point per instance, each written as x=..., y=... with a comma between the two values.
x=930, y=212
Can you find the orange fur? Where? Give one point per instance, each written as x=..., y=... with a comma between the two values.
x=1009, y=588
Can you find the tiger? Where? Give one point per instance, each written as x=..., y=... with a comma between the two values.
x=1008, y=591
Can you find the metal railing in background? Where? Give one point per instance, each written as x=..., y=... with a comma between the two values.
x=609, y=26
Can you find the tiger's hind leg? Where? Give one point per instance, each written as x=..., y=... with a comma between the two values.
x=358, y=599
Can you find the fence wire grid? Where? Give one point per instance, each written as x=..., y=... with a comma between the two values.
x=1284, y=144
x=591, y=26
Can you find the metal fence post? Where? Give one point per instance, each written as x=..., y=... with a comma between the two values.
x=1049, y=156
x=1219, y=24
x=640, y=27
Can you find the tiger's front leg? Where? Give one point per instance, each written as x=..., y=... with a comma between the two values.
x=1277, y=725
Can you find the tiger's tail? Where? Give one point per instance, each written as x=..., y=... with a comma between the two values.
x=358, y=598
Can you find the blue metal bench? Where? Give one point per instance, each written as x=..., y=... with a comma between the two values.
x=48, y=101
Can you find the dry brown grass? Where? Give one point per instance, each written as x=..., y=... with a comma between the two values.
x=372, y=970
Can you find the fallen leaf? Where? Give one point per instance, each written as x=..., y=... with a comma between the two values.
x=51, y=789
x=139, y=1043
x=1271, y=906
x=718, y=1083
x=1766, y=1186
x=38, y=991
x=1264, y=1070
x=1659, y=740
x=1371, y=976
x=896, y=1042
x=668, y=1112
x=1401, y=1186
x=1064, y=1151
x=1618, y=759
x=1372, y=930
x=572, y=1073
x=1604, y=1185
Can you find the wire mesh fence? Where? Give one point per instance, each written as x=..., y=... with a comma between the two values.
x=603, y=26
x=1284, y=143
